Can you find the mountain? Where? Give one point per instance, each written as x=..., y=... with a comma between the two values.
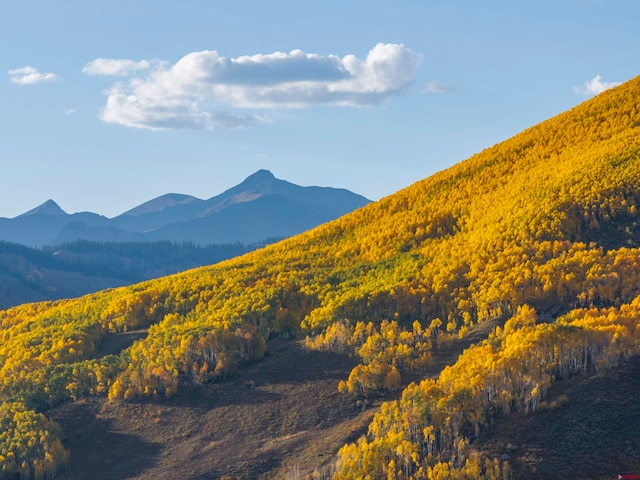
x=42, y=224
x=324, y=201
x=260, y=207
x=163, y=210
x=267, y=216
x=49, y=207
x=161, y=203
x=488, y=317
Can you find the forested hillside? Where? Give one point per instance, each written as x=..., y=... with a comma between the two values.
x=81, y=267
x=538, y=235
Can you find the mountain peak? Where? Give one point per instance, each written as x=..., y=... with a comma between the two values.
x=261, y=177
x=261, y=183
x=49, y=207
x=261, y=174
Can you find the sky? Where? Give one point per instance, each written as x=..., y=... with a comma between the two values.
x=107, y=104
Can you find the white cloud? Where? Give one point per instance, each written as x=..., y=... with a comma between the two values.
x=595, y=86
x=188, y=93
x=438, y=87
x=169, y=113
x=114, y=66
x=30, y=75
x=70, y=111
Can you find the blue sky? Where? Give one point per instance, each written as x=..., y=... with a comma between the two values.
x=104, y=105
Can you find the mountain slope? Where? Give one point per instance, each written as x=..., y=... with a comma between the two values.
x=47, y=208
x=268, y=216
x=82, y=267
x=160, y=211
x=532, y=242
x=28, y=275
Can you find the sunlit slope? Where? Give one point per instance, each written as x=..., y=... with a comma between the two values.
x=547, y=218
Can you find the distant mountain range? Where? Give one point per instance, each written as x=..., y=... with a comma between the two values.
x=259, y=208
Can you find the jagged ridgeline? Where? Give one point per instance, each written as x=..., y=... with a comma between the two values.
x=538, y=234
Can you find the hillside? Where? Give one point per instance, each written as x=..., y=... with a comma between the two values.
x=259, y=208
x=82, y=267
x=238, y=428
x=532, y=242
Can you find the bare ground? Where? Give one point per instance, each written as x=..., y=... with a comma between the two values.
x=283, y=414
x=280, y=418
x=591, y=430
x=283, y=418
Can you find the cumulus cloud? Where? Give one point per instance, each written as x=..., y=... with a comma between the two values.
x=438, y=87
x=30, y=75
x=191, y=93
x=114, y=66
x=595, y=86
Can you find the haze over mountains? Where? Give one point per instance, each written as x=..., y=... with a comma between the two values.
x=259, y=208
